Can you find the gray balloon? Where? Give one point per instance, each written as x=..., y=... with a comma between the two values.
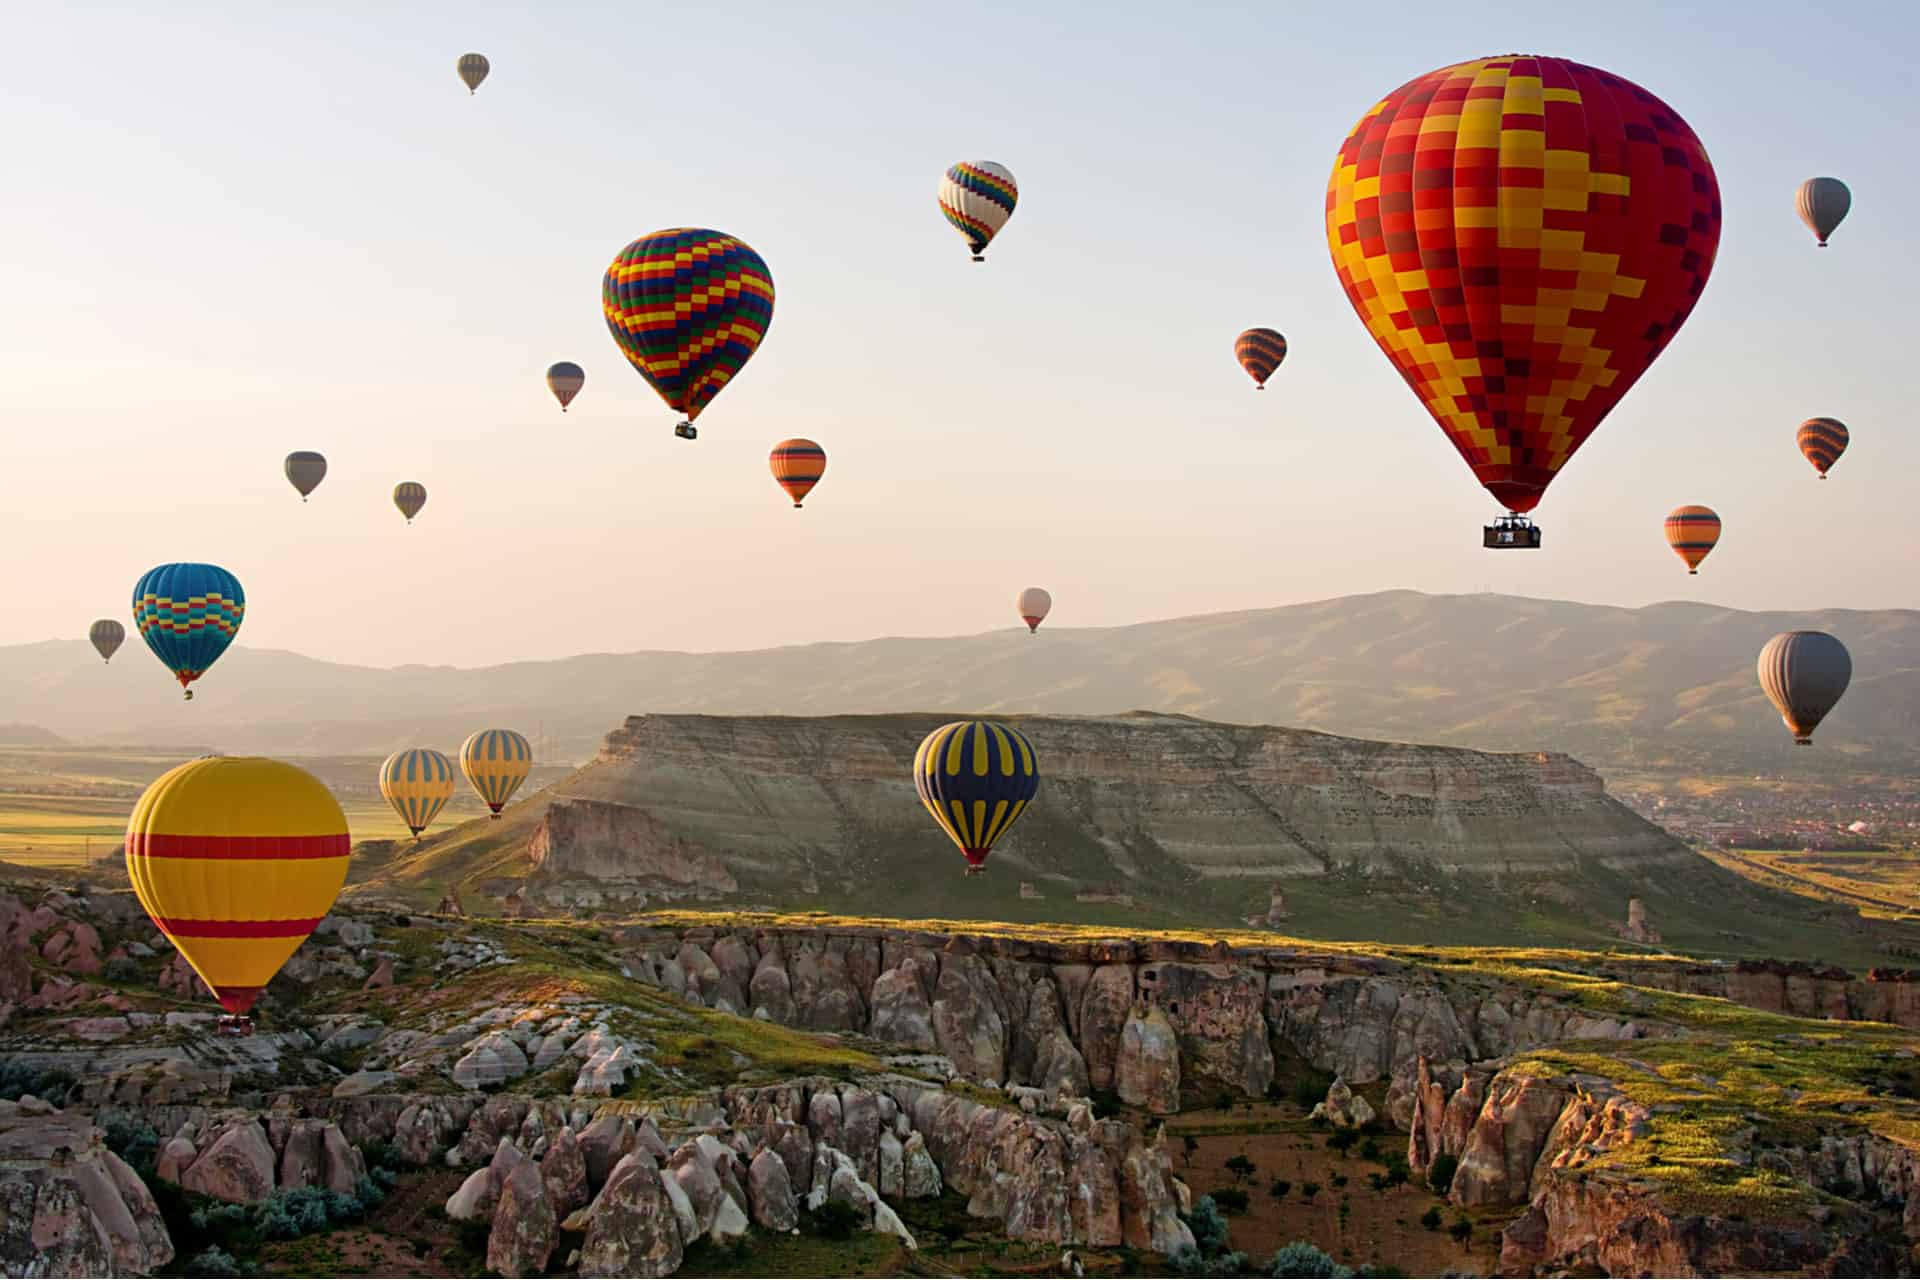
x=106, y=636
x=306, y=470
x=1804, y=673
x=409, y=497
x=1822, y=203
x=473, y=68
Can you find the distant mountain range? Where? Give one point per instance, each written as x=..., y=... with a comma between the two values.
x=1668, y=683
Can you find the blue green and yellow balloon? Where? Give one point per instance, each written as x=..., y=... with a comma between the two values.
x=188, y=614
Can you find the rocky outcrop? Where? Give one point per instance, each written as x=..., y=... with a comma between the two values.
x=770, y=1192
x=235, y=1163
x=1147, y=1071
x=69, y=1206
x=590, y=852
x=632, y=1228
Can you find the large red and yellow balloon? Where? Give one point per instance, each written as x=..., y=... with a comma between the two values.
x=237, y=859
x=1522, y=236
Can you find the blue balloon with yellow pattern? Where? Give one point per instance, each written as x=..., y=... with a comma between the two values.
x=976, y=777
x=188, y=614
x=496, y=762
x=417, y=782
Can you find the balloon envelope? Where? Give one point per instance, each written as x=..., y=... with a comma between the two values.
x=688, y=308
x=237, y=859
x=1804, y=673
x=188, y=614
x=417, y=782
x=977, y=197
x=1821, y=204
x=106, y=636
x=797, y=466
x=305, y=470
x=496, y=762
x=1260, y=352
x=1822, y=440
x=1522, y=236
x=976, y=778
x=565, y=380
x=1692, y=531
x=409, y=497
x=473, y=68
x=1033, y=606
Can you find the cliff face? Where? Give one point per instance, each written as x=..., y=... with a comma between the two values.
x=1129, y=798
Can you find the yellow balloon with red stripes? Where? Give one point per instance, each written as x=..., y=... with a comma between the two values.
x=237, y=859
x=496, y=762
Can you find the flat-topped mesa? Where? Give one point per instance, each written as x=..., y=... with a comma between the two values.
x=1126, y=798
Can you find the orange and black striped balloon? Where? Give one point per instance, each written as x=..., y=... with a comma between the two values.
x=797, y=465
x=1260, y=352
x=1692, y=531
x=237, y=859
x=1823, y=440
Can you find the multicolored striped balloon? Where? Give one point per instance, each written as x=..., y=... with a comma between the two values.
x=1692, y=531
x=1822, y=203
x=565, y=380
x=1522, y=236
x=977, y=197
x=976, y=778
x=1260, y=352
x=689, y=307
x=797, y=466
x=1822, y=440
x=410, y=497
x=417, y=782
x=496, y=762
x=188, y=614
x=237, y=859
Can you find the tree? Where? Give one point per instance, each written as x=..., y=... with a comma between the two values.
x=1342, y=1140
x=1440, y=1173
x=1189, y=1144
x=1241, y=1168
x=1308, y=1190
x=1431, y=1218
x=1461, y=1231
x=1279, y=1188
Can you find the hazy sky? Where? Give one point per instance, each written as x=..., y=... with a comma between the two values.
x=235, y=230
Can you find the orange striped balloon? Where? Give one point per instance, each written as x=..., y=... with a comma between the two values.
x=237, y=859
x=1692, y=531
x=797, y=466
x=1822, y=440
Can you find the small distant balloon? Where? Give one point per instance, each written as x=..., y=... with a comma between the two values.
x=1033, y=606
x=417, y=782
x=496, y=762
x=1822, y=204
x=797, y=466
x=409, y=497
x=106, y=636
x=188, y=614
x=1804, y=673
x=977, y=197
x=565, y=380
x=305, y=470
x=1260, y=352
x=473, y=68
x=1692, y=531
x=1822, y=440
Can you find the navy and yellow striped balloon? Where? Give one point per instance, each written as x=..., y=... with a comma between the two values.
x=496, y=762
x=417, y=782
x=976, y=778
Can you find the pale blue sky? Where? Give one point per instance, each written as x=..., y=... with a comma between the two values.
x=234, y=230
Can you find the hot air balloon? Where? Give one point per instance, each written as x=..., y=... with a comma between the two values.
x=473, y=68
x=1260, y=352
x=188, y=614
x=689, y=308
x=1033, y=606
x=409, y=497
x=1822, y=203
x=1522, y=236
x=565, y=380
x=1804, y=673
x=1691, y=532
x=305, y=470
x=237, y=859
x=417, y=782
x=106, y=636
x=976, y=778
x=1822, y=440
x=496, y=762
x=797, y=466
x=977, y=197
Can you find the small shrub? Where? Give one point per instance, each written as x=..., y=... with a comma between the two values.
x=1461, y=1230
x=472, y=1236
x=1431, y=1218
x=835, y=1220
x=1377, y=1181
x=1440, y=1173
x=1188, y=1261
x=1241, y=1168
x=132, y=1141
x=1342, y=1140
x=1302, y=1261
x=1231, y=1200
x=1279, y=1188
x=1310, y=1088
x=1188, y=1145
x=1370, y=1150
x=214, y=1261
x=1338, y=1180
x=1308, y=1190
x=1223, y=1101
